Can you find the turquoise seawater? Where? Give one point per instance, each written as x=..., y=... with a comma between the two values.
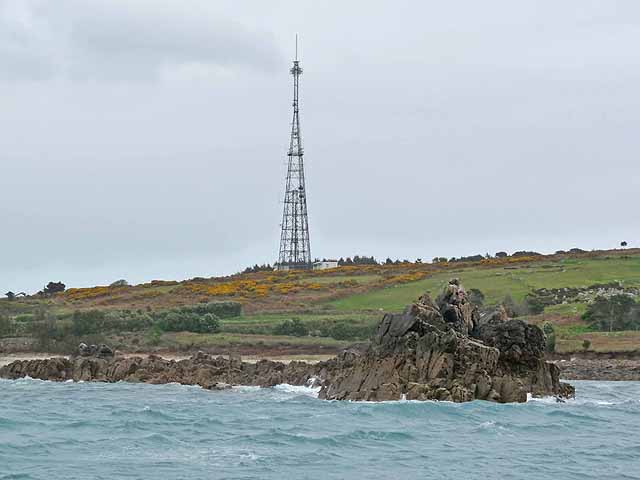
x=114, y=431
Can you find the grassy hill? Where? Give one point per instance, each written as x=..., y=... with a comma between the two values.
x=499, y=281
x=342, y=305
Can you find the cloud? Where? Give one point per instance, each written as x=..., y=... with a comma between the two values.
x=431, y=129
x=118, y=41
x=25, y=43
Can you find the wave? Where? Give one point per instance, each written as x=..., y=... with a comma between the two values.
x=298, y=389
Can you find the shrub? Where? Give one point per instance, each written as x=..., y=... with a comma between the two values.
x=88, y=322
x=7, y=327
x=551, y=343
x=349, y=331
x=524, y=253
x=547, y=328
x=54, y=287
x=209, y=323
x=178, y=320
x=198, y=318
x=153, y=337
x=472, y=258
x=49, y=332
x=618, y=312
x=293, y=327
x=127, y=321
x=219, y=309
x=586, y=344
x=250, y=328
x=24, y=318
x=258, y=268
x=100, y=321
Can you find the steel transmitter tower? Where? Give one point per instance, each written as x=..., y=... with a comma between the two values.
x=295, y=251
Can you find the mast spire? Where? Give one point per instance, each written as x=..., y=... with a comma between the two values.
x=295, y=251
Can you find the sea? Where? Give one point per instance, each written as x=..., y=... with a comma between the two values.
x=134, y=431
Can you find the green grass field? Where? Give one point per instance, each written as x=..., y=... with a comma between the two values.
x=495, y=283
x=274, y=318
x=567, y=309
x=224, y=339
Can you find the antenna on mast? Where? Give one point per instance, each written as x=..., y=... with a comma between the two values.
x=295, y=252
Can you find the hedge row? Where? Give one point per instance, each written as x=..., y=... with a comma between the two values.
x=200, y=318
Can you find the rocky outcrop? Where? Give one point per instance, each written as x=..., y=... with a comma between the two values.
x=447, y=352
x=555, y=296
x=441, y=350
x=100, y=351
x=605, y=369
x=201, y=369
x=455, y=308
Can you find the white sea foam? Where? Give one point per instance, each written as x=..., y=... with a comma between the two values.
x=246, y=388
x=487, y=424
x=282, y=388
x=298, y=389
x=547, y=399
x=28, y=379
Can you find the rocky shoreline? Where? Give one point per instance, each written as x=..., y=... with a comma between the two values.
x=204, y=370
x=442, y=350
x=577, y=368
x=606, y=369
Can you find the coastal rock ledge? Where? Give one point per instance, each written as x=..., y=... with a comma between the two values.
x=443, y=350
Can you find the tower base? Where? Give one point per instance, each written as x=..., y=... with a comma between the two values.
x=293, y=266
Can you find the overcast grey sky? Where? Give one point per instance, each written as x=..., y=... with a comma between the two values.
x=146, y=139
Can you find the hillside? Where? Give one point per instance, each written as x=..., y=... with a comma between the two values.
x=335, y=307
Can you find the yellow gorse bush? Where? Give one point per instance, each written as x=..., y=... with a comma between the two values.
x=89, y=293
x=250, y=287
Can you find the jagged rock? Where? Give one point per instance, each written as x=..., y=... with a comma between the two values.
x=57, y=369
x=517, y=340
x=498, y=314
x=100, y=351
x=456, y=309
x=104, y=351
x=426, y=353
x=432, y=351
x=83, y=350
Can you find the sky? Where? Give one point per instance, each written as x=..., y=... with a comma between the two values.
x=146, y=139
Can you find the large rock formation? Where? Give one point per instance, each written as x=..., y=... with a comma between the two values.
x=441, y=351
x=448, y=352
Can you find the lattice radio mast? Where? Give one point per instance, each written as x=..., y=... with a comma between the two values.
x=295, y=251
